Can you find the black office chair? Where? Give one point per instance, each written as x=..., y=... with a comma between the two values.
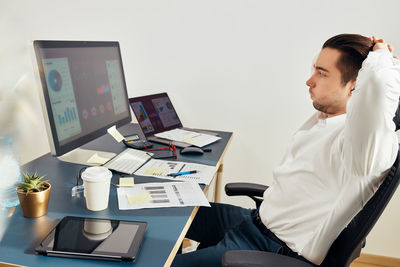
x=348, y=244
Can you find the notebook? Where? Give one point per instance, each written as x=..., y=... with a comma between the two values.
x=156, y=114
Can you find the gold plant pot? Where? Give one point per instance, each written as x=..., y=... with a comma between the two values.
x=34, y=204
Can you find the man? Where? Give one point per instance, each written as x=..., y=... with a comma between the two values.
x=332, y=166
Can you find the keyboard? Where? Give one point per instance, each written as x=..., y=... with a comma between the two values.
x=128, y=160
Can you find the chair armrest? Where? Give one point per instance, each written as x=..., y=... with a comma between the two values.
x=245, y=189
x=254, y=191
x=241, y=258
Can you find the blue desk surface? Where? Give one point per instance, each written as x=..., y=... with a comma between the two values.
x=165, y=225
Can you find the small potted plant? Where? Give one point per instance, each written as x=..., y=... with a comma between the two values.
x=33, y=194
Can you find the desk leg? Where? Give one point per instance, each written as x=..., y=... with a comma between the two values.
x=218, y=184
x=180, y=238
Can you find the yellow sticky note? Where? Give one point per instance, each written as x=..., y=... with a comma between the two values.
x=137, y=199
x=126, y=181
x=97, y=160
x=189, y=140
x=115, y=133
x=154, y=171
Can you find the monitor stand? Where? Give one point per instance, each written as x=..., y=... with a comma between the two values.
x=82, y=156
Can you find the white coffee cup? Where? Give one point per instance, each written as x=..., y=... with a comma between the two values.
x=96, y=183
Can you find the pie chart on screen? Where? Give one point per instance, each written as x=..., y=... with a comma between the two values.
x=55, y=80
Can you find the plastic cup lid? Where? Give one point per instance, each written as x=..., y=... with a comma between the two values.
x=97, y=174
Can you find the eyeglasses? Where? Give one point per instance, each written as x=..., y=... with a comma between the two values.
x=170, y=147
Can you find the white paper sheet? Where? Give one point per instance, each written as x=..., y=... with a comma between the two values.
x=194, y=138
x=161, y=195
x=161, y=169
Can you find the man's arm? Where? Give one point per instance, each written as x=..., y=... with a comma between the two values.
x=370, y=144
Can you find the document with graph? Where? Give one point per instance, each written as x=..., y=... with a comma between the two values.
x=176, y=170
x=161, y=195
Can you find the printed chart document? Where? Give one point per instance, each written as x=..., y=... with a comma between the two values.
x=161, y=195
x=194, y=138
x=161, y=169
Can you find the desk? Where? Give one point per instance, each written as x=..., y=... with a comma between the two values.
x=166, y=227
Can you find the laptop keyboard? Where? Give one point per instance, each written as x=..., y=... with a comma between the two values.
x=128, y=161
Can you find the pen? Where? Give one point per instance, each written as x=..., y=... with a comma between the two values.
x=181, y=173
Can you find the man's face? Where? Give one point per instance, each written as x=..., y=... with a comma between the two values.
x=327, y=92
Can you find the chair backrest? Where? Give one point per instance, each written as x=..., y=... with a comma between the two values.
x=348, y=245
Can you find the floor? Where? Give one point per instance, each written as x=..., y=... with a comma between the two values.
x=369, y=260
x=361, y=264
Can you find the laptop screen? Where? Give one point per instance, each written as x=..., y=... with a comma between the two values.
x=155, y=113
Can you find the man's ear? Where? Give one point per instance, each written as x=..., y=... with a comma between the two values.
x=350, y=86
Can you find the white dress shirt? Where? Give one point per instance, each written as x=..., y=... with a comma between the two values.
x=333, y=166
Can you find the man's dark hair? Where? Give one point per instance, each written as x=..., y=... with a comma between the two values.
x=354, y=50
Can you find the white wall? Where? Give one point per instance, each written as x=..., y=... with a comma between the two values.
x=235, y=65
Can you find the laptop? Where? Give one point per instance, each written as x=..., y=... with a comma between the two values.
x=156, y=114
x=97, y=239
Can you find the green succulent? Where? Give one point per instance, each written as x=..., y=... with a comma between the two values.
x=32, y=183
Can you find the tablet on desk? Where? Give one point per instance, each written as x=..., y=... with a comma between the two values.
x=89, y=238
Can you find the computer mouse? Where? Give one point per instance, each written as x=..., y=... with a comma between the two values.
x=192, y=150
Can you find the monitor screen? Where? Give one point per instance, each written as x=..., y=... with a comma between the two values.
x=83, y=91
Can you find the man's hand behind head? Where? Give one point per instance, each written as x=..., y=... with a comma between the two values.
x=381, y=44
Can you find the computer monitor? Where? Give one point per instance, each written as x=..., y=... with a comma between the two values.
x=83, y=94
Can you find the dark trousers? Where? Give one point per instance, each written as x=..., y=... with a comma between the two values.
x=225, y=227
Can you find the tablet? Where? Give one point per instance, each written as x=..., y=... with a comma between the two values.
x=89, y=238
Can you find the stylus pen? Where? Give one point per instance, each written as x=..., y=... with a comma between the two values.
x=181, y=173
